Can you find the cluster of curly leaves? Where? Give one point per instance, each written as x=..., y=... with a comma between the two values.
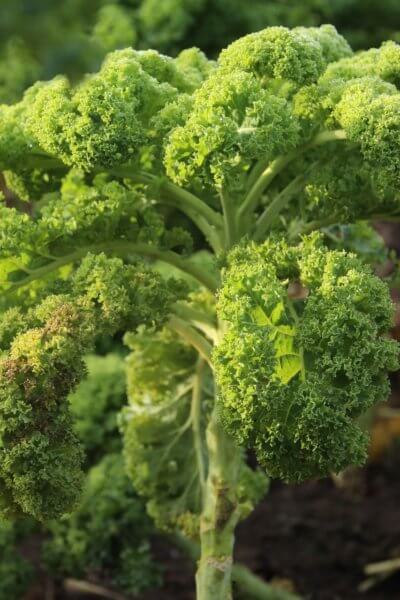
x=31, y=30
x=216, y=126
x=305, y=353
x=271, y=95
x=41, y=362
x=100, y=165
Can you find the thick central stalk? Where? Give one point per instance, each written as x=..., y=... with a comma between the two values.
x=220, y=516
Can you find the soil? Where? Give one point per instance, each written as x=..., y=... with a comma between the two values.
x=321, y=537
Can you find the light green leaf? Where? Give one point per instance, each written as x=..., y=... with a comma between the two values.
x=287, y=367
x=277, y=312
x=260, y=317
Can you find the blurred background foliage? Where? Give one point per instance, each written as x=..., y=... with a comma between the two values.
x=41, y=38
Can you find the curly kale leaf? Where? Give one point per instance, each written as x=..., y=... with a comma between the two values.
x=305, y=353
x=159, y=426
x=40, y=456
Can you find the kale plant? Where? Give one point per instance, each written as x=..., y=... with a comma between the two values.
x=270, y=340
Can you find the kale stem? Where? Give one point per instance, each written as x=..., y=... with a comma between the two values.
x=123, y=249
x=229, y=218
x=281, y=200
x=196, y=421
x=204, y=217
x=251, y=586
x=191, y=336
x=272, y=169
x=219, y=516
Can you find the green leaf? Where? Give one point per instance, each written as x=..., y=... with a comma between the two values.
x=284, y=345
x=259, y=316
x=277, y=313
x=287, y=367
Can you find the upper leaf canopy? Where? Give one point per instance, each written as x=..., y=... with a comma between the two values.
x=209, y=126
